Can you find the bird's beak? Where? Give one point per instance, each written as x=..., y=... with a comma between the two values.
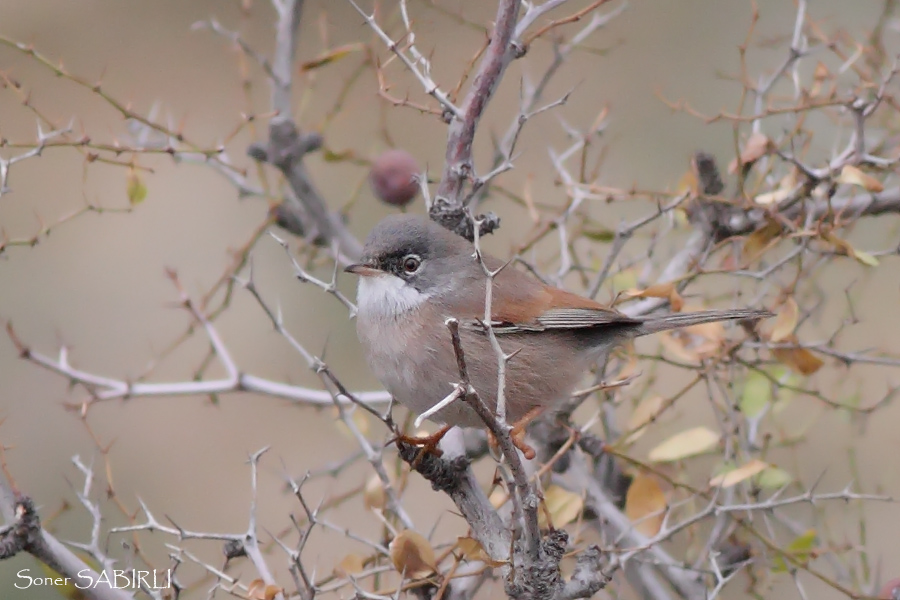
x=363, y=270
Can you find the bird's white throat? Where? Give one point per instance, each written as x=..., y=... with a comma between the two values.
x=387, y=295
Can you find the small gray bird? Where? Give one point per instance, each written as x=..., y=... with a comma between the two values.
x=415, y=274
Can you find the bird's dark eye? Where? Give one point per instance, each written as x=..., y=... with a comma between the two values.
x=411, y=263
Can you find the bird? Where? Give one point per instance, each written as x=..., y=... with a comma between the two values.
x=414, y=275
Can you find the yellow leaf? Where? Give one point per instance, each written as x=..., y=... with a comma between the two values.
x=331, y=56
x=412, y=554
x=645, y=505
x=854, y=176
x=865, y=258
x=735, y=476
x=844, y=247
x=350, y=565
x=564, y=506
x=472, y=549
x=136, y=189
x=786, y=321
x=644, y=414
x=798, y=359
x=684, y=444
x=756, y=395
x=757, y=146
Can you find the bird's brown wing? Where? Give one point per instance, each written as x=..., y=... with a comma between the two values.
x=522, y=304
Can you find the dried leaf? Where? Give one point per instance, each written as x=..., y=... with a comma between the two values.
x=786, y=321
x=258, y=590
x=659, y=290
x=689, y=184
x=735, y=476
x=854, y=176
x=374, y=496
x=472, y=550
x=529, y=199
x=841, y=246
x=331, y=56
x=271, y=591
x=645, y=505
x=678, y=347
x=564, y=506
x=844, y=247
x=757, y=146
x=820, y=75
x=498, y=497
x=759, y=241
x=684, y=444
x=412, y=554
x=630, y=367
x=644, y=414
x=692, y=343
x=798, y=359
x=799, y=548
x=136, y=188
x=350, y=565
x=773, y=197
x=714, y=332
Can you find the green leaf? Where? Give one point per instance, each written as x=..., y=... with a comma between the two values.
x=332, y=156
x=773, y=478
x=624, y=280
x=799, y=549
x=136, y=189
x=757, y=394
x=599, y=235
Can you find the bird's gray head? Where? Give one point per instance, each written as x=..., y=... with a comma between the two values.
x=407, y=259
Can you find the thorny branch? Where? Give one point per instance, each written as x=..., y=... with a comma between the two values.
x=788, y=218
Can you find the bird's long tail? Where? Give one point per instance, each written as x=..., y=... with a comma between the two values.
x=677, y=320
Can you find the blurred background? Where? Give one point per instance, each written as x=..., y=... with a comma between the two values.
x=97, y=284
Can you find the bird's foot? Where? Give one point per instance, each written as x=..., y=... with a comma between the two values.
x=517, y=432
x=428, y=443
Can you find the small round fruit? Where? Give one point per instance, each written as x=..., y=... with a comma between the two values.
x=891, y=590
x=393, y=177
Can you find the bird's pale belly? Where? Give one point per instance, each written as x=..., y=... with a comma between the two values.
x=419, y=369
